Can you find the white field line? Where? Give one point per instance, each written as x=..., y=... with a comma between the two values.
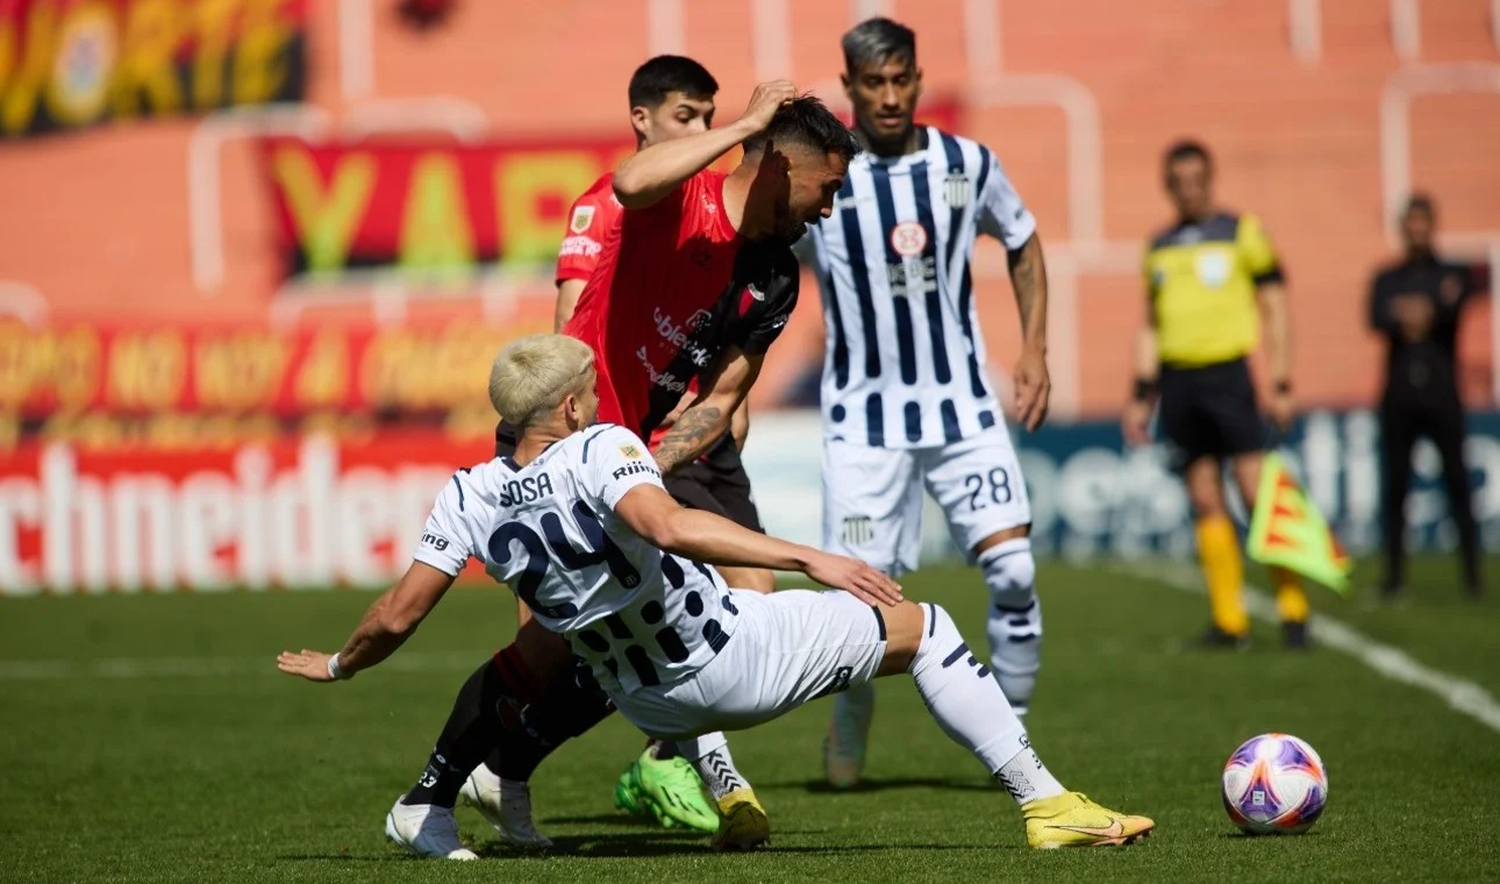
x=210, y=667
x=1460, y=694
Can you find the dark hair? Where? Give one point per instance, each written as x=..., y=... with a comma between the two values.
x=1419, y=202
x=1186, y=149
x=876, y=41
x=659, y=77
x=808, y=122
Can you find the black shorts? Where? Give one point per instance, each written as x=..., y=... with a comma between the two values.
x=716, y=482
x=1210, y=412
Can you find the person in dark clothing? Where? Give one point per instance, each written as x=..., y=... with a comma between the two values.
x=1415, y=303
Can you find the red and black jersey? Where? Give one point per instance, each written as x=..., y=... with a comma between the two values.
x=594, y=214
x=675, y=286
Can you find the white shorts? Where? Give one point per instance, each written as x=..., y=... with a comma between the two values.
x=872, y=497
x=787, y=648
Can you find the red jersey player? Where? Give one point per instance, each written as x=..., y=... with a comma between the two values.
x=696, y=280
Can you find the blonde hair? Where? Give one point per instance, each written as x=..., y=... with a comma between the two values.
x=533, y=374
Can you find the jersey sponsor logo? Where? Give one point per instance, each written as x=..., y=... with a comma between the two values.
x=434, y=541
x=635, y=469
x=525, y=490
x=858, y=530
x=584, y=246
x=850, y=202
x=668, y=380
x=908, y=239
x=678, y=335
x=956, y=189
x=916, y=277
x=1213, y=268
x=839, y=683
x=583, y=216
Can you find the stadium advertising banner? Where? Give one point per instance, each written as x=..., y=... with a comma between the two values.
x=429, y=204
x=315, y=512
x=70, y=369
x=67, y=64
x=426, y=206
x=1091, y=496
x=296, y=512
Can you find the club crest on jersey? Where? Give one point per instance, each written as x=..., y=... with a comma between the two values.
x=697, y=320
x=630, y=451
x=583, y=216
x=956, y=189
x=908, y=239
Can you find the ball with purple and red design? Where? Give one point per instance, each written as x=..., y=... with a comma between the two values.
x=1275, y=784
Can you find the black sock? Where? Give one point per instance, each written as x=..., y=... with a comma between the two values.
x=567, y=709
x=473, y=727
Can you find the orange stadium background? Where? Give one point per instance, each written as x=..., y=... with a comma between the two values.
x=232, y=223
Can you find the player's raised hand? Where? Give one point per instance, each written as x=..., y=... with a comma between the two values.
x=311, y=665
x=765, y=101
x=856, y=578
x=1033, y=388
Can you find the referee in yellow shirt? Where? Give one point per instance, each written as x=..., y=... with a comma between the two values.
x=1213, y=278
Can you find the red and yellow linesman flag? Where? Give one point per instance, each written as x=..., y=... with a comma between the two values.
x=1286, y=529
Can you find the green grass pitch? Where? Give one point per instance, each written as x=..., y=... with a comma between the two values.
x=123, y=762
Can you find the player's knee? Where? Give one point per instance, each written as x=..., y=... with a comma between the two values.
x=904, y=626
x=1010, y=573
x=940, y=643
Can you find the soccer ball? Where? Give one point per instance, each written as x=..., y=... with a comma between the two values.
x=1275, y=784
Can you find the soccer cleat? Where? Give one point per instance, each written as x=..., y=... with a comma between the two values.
x=507, y=806
x=744, y=826
x=628, y=793
x=1072, y=820
x=1294, y=635
x=848, y=734
x=669, y=791
x=1217, y=639
x=426, y=830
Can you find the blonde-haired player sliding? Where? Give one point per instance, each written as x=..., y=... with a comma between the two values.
x=578, y=524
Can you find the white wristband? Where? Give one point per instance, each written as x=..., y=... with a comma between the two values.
x=335, y=671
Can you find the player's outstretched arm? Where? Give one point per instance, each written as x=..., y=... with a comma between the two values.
x=705, y=537
x=388, y=623
x=656, y=171
x=709, y=416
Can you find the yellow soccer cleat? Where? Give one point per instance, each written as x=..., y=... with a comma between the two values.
x=743, y=825
x=1072, y=820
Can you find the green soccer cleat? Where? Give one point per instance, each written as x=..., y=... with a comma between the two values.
x=628, y=793
x=667, y=791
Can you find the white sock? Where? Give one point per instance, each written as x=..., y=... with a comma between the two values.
x=710, y=757
x=1015, y=619
x=1026, y=778
x=971, y=709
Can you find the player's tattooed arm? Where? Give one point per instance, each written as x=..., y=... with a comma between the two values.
x=694, y=433
x=702, y=423
x=1028, y=276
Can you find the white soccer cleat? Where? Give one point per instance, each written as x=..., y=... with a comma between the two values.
x=426, y=830
x=506, y=804
x=848, y=735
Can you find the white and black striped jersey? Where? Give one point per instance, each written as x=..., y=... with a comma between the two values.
x=904, y=363
x=639, y=616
